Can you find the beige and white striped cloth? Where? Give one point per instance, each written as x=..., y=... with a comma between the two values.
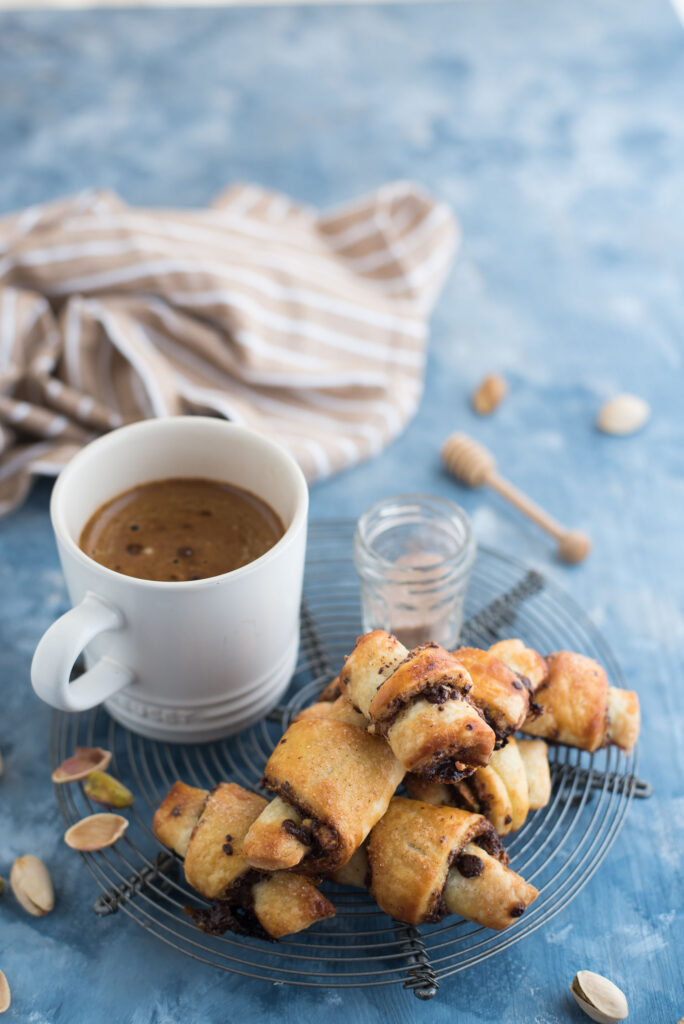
x=310, y=328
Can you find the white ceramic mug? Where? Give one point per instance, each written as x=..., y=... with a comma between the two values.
x=187, y=661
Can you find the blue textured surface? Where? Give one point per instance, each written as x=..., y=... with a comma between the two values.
x=556, y=132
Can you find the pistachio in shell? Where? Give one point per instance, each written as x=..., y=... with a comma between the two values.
x=5, y=996
x=95, y=832
x=489, y=394
x=599, y=997
x=623, y=415
x=84, y=761
x=104, y=789
x=32, y=886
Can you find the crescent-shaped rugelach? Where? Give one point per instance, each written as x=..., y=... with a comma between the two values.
x=499, y=692
x=419, y=702
x=207, y=829
x=580, y=709
x=427, y=861
x=177, y=815
x=516, y=780
x=334, y=780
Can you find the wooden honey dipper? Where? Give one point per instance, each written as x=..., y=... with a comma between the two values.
x=472, y=464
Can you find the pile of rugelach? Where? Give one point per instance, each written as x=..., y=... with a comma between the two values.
x=440, y=722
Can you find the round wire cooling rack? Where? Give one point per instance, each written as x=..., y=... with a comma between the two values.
x=558, y=849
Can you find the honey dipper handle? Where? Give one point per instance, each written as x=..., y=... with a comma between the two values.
x=474, y=465
x=530, y=508
x=573, y=545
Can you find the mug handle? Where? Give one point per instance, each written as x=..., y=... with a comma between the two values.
x=60, y=646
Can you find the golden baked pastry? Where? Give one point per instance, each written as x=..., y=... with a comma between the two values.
x=333, y=781
x=419, y=701
x=499, y=692
x=427, y=861
x=516, y=780
x=207, y=829
x=527, y=662
x=578, y=707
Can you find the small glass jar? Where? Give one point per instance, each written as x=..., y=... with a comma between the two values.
x=414, y=554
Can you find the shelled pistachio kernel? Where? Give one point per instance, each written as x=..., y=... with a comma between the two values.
x=104, y=789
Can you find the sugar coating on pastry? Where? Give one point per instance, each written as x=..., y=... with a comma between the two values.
x=429, y=672
x=481, y=889
x=270, y=845
x=441, y=741
x=214, y=861
x=374, y=659
x=340, y=778
x=177, y=815
x=574, y=703
x=498, y=691
x=286, y=903
x=411, y=850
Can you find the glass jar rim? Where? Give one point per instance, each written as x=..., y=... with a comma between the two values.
x=446, y=509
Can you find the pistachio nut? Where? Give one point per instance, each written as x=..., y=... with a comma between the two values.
x=623, y=414
x=84, y=761
x=95, y=832
x=489, y=393
x=599, y=998
x=5, y=996
x=106, y=790
x=32, y=886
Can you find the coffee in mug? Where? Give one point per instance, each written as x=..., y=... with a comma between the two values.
x=181, y=529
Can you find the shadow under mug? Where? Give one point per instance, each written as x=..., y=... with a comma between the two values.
x=187, y=661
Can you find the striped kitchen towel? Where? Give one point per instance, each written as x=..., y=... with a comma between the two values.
x=308, y=327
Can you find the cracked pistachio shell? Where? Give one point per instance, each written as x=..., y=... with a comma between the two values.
x=599, y=998
x=105, y=789
x=32, y=886
x=84, y=761
x=95, y=832
x=5, y=996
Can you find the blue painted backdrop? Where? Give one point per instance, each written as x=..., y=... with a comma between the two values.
x=556, y=131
